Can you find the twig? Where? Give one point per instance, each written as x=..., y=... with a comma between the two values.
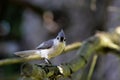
x=95, y=57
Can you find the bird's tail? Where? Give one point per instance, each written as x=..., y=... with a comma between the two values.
x=27, y=53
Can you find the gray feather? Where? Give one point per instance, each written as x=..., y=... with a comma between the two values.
x=46, y=45
x=27, y=53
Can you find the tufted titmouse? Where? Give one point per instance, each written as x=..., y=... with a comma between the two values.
x=47, y=49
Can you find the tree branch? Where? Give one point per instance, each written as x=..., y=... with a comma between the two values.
x=100, y=41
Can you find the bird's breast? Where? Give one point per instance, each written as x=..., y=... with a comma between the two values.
x=53, y=51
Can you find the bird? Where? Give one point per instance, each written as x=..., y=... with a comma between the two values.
x=47, y=49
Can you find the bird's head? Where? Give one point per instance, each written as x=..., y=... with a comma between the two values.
x=61, y=36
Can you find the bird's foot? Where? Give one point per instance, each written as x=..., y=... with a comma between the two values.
x=46, y=64
x=47, y=61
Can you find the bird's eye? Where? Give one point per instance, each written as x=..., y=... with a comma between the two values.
x=57, y=38
x=64, y=39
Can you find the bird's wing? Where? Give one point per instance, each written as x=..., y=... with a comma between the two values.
x=46, y=45
x=27, y=53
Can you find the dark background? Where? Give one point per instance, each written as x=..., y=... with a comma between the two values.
x=26, y=23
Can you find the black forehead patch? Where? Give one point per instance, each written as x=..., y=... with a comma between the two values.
x=61, y=39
